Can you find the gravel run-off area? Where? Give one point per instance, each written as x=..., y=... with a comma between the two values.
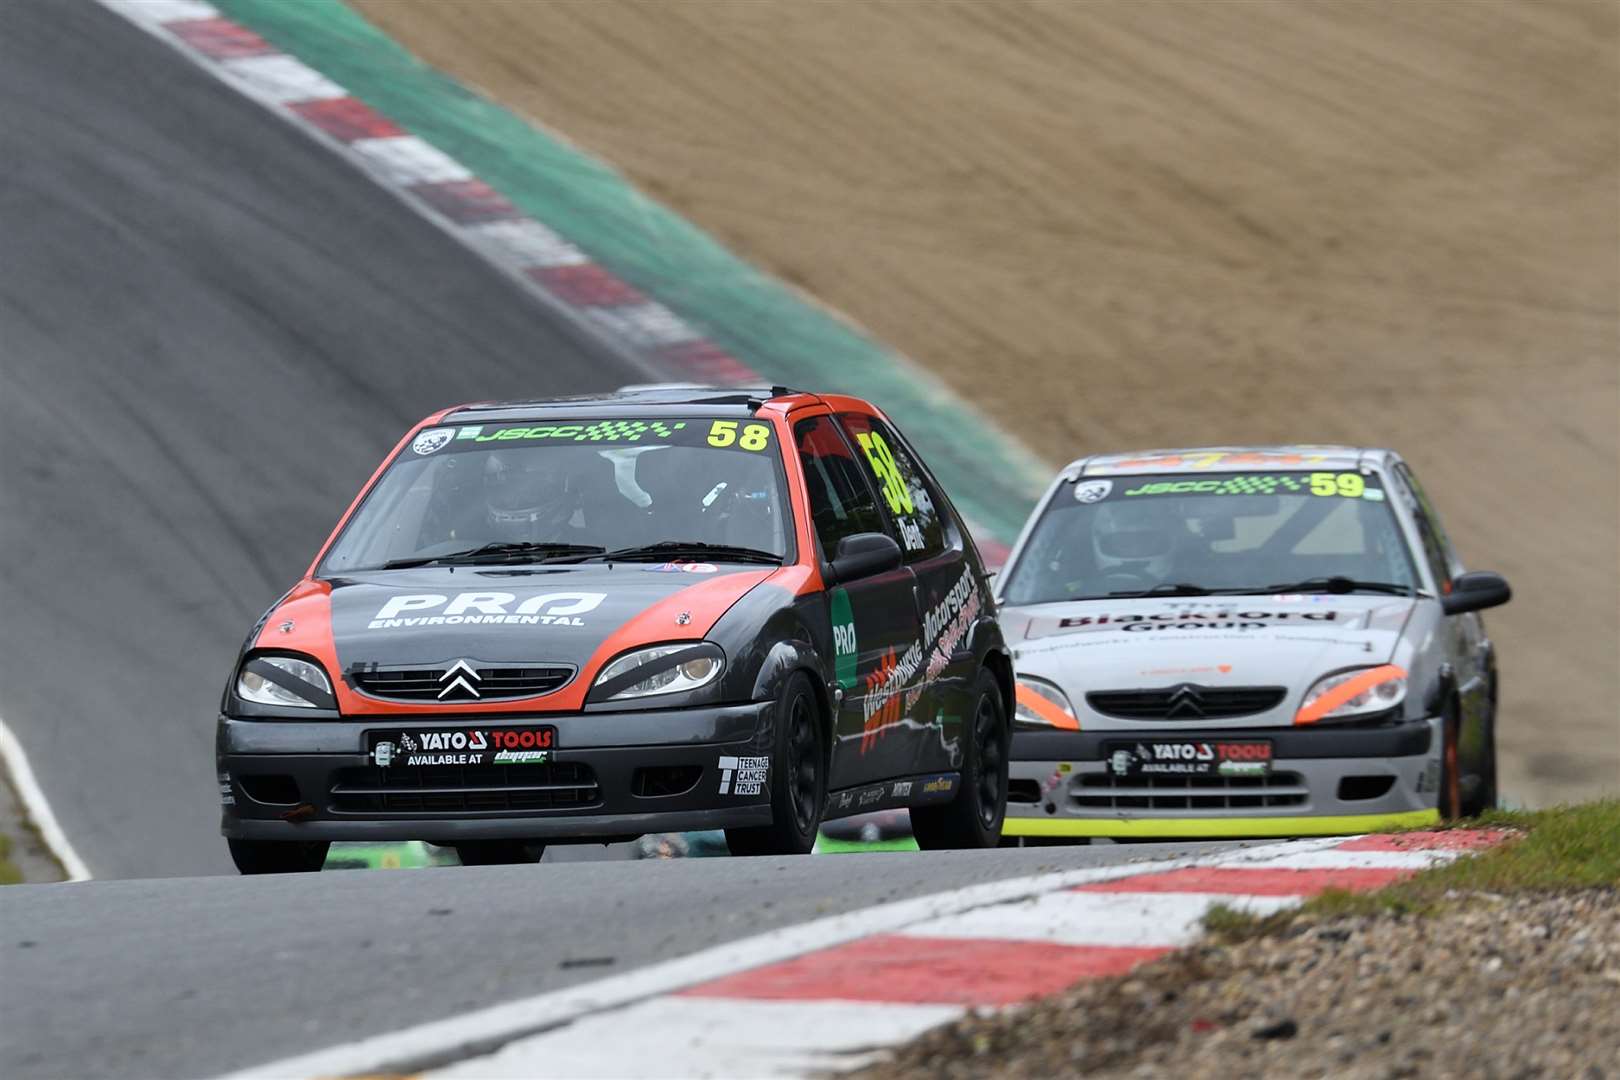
x=1491, y=987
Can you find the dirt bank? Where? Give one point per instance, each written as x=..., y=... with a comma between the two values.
x=1126, y=224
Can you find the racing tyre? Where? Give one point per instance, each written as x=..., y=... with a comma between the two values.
x=973, y=819
x=498, y=852
x=798, y=778
x=1483, y=797
x=278, y=856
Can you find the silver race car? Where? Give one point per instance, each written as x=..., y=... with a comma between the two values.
x=1271, y=641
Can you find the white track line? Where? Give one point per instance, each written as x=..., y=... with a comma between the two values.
x=38, y=807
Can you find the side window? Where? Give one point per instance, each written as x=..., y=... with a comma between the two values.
x=841, y=502
x=907, y=495
x=1436, y=551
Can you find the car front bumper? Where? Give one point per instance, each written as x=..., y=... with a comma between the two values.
x=317, y=780
x=1323, y=781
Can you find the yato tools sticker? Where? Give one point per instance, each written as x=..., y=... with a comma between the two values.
x=1190, y=758
x=464, y=746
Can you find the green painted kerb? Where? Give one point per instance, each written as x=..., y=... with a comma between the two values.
x=990, y=478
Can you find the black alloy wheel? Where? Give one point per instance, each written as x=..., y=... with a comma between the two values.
x=974, y=818
x=498, y=852
x=798, y=775
x=278, y=856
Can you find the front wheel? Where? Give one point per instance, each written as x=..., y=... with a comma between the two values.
x=278, y=856
x=498, y=852
x=973, y=819
x=798, y=778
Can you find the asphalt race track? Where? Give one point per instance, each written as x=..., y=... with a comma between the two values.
x=211, y=331
x=198, y=977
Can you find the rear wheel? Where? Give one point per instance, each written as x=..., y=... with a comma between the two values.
x=973, y=819
x=498, y=852
x=798, y=778
x=278, y=856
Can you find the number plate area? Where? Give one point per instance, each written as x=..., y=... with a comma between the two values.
x=1189, y=757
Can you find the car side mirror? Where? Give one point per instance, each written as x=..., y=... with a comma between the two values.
x=1475, y=591
x=864, y=554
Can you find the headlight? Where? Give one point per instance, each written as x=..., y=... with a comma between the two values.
x=1349, y=694
x=1040, y=704
x=284, y=680
x=661, y=669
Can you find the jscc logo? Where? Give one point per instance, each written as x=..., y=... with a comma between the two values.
x=546, y=609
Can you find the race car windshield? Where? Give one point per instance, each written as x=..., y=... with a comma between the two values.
x=560, y=491
x=1181, y=535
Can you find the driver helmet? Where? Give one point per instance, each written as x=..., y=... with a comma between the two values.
x=1136, y=538
x=525, y=499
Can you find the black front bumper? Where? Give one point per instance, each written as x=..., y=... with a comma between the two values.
x=298, y=780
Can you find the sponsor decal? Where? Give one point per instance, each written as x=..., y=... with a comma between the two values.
x=485, y=609
x=601, y=431
x=846, y=799
x=846, y=646
x=939, y=785
x=1206, y=669
x=1221, y=457
x=465, y=746
x=743, y=775
x=870, y=796
x=521, y=757
x=1191, y=758
x=432, y=439
x=1090, y=491
x=1194, y=620
x=1323, y=484
x=678, y=567
x=226, y=797
x=901, y=789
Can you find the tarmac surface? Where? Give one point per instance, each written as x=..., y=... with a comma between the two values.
x=213, y=330
x=184, y=978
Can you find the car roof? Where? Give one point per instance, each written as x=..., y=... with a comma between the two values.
x=653, y=399
x=1232, y=459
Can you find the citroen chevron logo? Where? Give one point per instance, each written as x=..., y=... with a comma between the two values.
x=1185, y=700
x=460, y=676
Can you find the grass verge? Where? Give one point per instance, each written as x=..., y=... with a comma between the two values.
x=1569, y=847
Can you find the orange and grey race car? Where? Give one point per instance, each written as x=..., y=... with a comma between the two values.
x=672, y=608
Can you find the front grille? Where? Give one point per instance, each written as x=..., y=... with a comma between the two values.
x=449, y=789
x=440, y=684
x=1105, y=791
x=1186, y=702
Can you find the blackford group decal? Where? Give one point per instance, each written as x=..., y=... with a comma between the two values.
x=485, y=608
x=1193, y=620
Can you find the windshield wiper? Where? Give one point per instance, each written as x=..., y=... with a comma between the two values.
x=500, y=551
x=1179, y=588
x=666, y=549
x=1334, y=584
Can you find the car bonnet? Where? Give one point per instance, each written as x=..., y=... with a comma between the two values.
x=1284, y=641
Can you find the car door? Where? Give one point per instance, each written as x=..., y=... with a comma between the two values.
x=873, y=618
x=1467, y=647
x=938, y=694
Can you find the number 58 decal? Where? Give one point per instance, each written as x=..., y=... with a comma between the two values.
x=881, y=458
x=754, y=436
